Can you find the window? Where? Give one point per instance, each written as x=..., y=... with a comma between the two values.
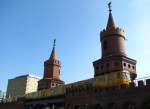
x=59, y=71
x=124, y=64
x=105, y=45
x=133, y=67
x=111, y=77
x=126, y=75
x=129, y=65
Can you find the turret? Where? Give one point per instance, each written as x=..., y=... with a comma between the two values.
x=112, y=39
x=51, y=76
x=52, y=65
x=114, y=57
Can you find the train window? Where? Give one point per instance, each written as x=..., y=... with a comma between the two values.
x=126, y=75
x=111, y=77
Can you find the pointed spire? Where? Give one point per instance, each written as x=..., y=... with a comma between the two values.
x=110, y=24
x=53, y=55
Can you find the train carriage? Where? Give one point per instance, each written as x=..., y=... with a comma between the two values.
x=113, y=79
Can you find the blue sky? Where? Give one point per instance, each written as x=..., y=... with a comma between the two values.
x=28, y=27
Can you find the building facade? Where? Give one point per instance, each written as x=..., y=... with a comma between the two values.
x=19, y=86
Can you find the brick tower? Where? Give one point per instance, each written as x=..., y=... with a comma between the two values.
x=51, y=72
x=114, y=56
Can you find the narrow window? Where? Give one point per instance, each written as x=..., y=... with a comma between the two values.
x=124, y=64
x=133, y=67
x=105, y=45
x=129, y=65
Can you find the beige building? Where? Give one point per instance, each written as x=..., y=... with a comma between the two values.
x=21, y=85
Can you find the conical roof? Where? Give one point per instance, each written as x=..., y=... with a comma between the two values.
x=53, y=54
x=110, y=24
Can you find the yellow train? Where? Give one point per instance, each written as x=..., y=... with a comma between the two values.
x=113, y=79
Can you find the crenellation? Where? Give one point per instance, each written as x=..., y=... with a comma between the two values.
x=118, y=31
x=148, y=82
x=141, y=83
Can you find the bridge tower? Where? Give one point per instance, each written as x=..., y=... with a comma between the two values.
x=51, y=76
x=114, y=57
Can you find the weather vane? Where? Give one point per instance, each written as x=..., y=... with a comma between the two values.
x=54, y=43
x=109, y=6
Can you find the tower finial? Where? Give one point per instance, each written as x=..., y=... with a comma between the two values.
x=109, y=6
x=54, y=43
x=110, y=23
x=53, y=54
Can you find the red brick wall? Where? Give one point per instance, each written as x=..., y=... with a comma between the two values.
x=12, y=106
